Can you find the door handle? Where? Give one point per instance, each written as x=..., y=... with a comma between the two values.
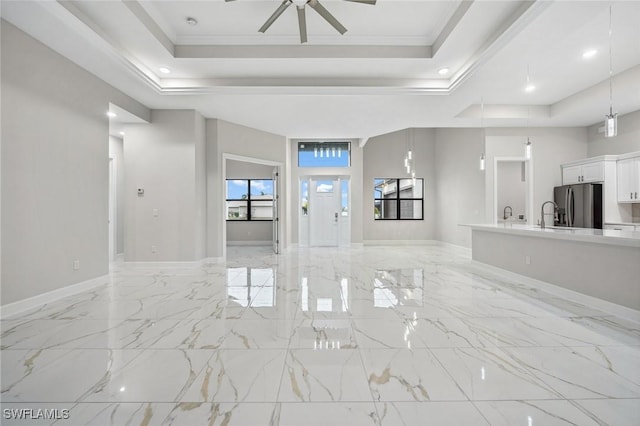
x=336, y=216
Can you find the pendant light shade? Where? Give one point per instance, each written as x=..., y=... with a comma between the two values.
x=482, y=162
x=611, y=125
x=527, y=150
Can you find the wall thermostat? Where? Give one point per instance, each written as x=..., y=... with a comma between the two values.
x=140, y=191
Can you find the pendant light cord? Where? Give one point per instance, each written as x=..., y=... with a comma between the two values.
x=610, y=63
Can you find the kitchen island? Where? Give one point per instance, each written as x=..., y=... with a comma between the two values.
x=600, y=263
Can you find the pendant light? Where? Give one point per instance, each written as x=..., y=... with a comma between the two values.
x=611, y=119
x=482, y=158
x=527, y=149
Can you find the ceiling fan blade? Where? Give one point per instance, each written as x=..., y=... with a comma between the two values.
x=302, y=24
x=371, y=2
x=285, y=4
x=315, y=4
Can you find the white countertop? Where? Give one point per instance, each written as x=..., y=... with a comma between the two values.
x=599, y=236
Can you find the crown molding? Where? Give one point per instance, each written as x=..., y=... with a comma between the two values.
x=85, y=27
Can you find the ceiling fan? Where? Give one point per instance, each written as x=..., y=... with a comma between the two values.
x=302, y=19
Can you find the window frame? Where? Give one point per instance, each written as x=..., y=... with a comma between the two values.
x=247, y=200
x=325, y=144
x=398, y=199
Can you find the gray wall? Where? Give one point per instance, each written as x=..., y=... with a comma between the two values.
x=384, y=158
x=244, y=231
x=511, y=188
x=229, y=138
x=116, y=152
x=55, y=168
x=550, y=148
x=628, y=139
x=460, y=184
x=161, y=158
x=587, y=271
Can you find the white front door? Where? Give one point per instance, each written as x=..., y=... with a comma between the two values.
x=325, y=212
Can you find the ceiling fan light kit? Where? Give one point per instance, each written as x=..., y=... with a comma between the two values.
x=302, y=19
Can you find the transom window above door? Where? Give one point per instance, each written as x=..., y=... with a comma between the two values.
x=324, y=154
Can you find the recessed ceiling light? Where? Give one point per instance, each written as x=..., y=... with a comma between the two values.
x=530, y=88
x=587, y=54
x=111, y=114
x=192, y=21
x=443, y=71
x=164, y=70
x=121, y=133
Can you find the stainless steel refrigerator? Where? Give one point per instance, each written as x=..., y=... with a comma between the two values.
x=579, y=205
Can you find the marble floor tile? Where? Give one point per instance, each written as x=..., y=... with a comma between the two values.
x=222, y=414
x=51, y=375
x=368, y=335
x=613, y=372
x=430, y=413
x=259, y=334
x=238, y=375
x=491, y=374
x=612, y=411
x=90, y=414
x=148, y=375
x=386, y=333
x=323, y=413
x=408, y=375
x=550, y=412
x=323, y=375
x=323, y=334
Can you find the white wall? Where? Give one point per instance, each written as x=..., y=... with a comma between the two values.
x=223, y=138
x=460, y=188
x=259, y=232
x=161, y=158
x=384, y=158
x=550, y=148
x=628, y=139
x=354, y=173
x=55, y=168
x=511, y=188
x=116, y=152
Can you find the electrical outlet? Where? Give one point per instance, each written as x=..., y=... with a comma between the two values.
x=76, y=265
x=154, y=249
x=527, y=260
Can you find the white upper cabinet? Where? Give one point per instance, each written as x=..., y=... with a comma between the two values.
x=583, y=173
x=628, y=171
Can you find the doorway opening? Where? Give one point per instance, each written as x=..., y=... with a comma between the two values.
x=325, y=219
x=512, y=191
x=251, y=211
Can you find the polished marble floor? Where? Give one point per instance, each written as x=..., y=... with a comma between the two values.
x=364, y=336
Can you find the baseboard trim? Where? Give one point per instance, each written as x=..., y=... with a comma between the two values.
x=162, y=265
x=400, y=242
x=249, y=243
x=559, y=291
x=15, y=308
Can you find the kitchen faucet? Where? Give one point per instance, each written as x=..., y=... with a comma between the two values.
x=504, y=212
x=555, y=211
